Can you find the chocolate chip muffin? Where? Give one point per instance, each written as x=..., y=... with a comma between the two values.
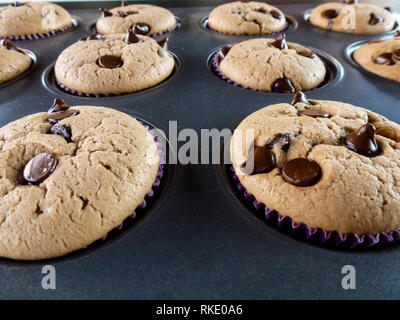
x=353, y=17
x=113, y=64
x=381, y=56
x=149, y=19
x=270, y=65
x=13, y=61
x=251, y=18
x=32, y=20
x=70, y=176
x=326, y=164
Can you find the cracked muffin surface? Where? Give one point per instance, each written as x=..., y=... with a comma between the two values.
x=261, y=64
x=29, y=18
x=120, y=19
x=360, y=18
x=105, y=167
x=380, y=56
x=139, y=65
x=354, y=193
x=13, y=61
x=251, y=18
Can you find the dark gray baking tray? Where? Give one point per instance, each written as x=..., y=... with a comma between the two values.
x=199, y=241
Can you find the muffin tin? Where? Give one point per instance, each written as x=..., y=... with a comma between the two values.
x=199, y=239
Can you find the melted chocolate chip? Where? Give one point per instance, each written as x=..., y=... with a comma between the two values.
x=131, y=36
x=275, y=14
x=96, y=36
x=307, y=54
x=388, y=9
x=350, y=1
x=261, y=160
x=280, y=42
x=314, y=113
x=396, y=54
x=301, y=172
x=39, y=167
x=109, y=62
x=124, y=14
x=283, y=85
x=63, y=131
x=299, y=97
x=330, y=14
x=8, y=44
x=363, y=141
x=58, y=116
x=384, y=58
x=105, y=13
x=261, y=10
x=374, y=19
x=141, y=28
x=163, y=43
x=285, y=138
x=59, y=104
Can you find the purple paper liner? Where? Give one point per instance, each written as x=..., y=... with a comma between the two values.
x=155, y=186
x=315, y=236
x=37, y=36
x=285, y=27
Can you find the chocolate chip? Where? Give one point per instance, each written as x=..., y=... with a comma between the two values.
x=261, y=160
x=301, y=172
x=396, y=54
x=307, y=54
x=314, y=113
x=105, y=13
x=109, y=62
x=330, y=14
x=388, y=9
x=63, y=131
x=96, y=36
x=384, y=58
x=275, y=14
x=124, y=3
x=124, y=14
x=363, y=141
x=163, y=43
x=59, y=104
x=131, y=36
x=9, y=46
x=58, y=116
x=283, y=85
x=261, y=10
x=350, y=1
x=280, y=42
x=39, y=167
x=299, y=97
x=141, y=28
x=285, y=138
x=374, y=19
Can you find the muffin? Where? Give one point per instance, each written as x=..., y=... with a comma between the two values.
x=381, y=56
x=33, y=20
x=13, y=61
x=353, y=17
x=69, y=176
x=113, y=64
x=149, y=19
x=324, y=164
x=270, y=65
x=250, y=18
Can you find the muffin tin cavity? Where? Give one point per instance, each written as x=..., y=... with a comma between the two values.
x=30, y=69
x=50, y=82
x=291, y=25
x=334, y=70
x=348, y=54
x=307, y=14
x=92, y=27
